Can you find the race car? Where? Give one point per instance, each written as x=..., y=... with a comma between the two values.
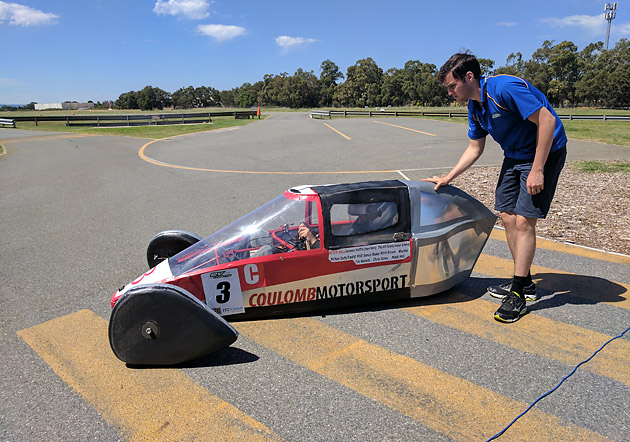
x=310, y=249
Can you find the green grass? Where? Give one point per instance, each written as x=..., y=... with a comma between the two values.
x=602, y=166
x=610, y=132
x=153, y=132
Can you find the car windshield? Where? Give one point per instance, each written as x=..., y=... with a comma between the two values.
x=272, y=228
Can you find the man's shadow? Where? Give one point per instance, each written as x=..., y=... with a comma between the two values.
x=557, y=289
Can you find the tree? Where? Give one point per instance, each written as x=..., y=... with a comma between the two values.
x=227, y=98
x=420, y=85
x=304, y=89
x=206, y=96
x=276, y=89
x=153, y=98
x=563, y=60
x=613, y=75
x=514, y=65
x=537, y=70
x=328, y=81
x=244, y=100
x=392, y=88
x=586, y=90
x=362, y=86
x=183, y=98
x=127, y=100
x=486, y=66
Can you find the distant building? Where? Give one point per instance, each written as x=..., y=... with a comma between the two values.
x=65, y=106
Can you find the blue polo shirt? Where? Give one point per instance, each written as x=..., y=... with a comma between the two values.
x=506, y=103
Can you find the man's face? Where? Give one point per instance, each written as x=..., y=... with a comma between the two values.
x=460, y=90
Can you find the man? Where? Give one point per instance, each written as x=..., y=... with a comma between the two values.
x=520, y=118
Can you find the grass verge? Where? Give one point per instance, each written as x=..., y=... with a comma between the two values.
x=610, y=132
x=153, y=132
x=602, y=166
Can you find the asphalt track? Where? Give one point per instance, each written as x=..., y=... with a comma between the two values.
x=78, y=211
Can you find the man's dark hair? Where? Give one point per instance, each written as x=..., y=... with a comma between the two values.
x=458, y=65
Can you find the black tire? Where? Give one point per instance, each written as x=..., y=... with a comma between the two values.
x=169, y=243
x=162, y=324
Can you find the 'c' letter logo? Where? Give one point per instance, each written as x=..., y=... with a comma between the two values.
x=251, y=274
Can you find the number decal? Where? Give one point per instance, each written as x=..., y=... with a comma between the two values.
x=224, y=288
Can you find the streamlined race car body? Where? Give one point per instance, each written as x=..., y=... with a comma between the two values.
x=310, y=249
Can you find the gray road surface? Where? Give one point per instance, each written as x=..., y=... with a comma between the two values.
x=78, y=211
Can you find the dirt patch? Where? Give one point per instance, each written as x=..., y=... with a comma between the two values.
x=589, y=209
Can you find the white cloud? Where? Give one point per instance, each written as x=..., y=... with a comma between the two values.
x=507, y=24
x=621, y=29
x=193, y=9
x=221, y=32
x=20, y=15
x=593, y=25
x=286, y=42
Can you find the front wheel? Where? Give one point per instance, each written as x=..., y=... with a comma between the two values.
x=169, y=243
x=161, y=324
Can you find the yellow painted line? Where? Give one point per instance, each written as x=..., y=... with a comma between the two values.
x=147, y=405
x=144, y=157
x=47, y=138
x=534, y=334
x=335, y=130
x=591, y=288
x=548, y=244
x=407, y=128
x=450, y=405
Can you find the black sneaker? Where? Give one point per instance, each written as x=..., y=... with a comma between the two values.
x=501, y=291
x=512, y=308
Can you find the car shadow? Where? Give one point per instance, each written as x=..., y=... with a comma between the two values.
x=555, y=289
x=224, y=357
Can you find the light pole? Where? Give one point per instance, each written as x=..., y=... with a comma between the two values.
x=609, y=14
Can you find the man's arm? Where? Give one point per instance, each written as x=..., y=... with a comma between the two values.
x=469, y=157
x=546, y=123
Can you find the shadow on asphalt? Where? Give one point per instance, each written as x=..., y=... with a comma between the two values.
x=227, y=356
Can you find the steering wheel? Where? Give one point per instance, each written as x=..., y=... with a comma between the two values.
x=300, y=243
x=292, y=242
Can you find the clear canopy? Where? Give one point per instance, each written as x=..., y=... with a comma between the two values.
x=272, y=228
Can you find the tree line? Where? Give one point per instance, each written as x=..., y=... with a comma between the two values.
x=569, y=77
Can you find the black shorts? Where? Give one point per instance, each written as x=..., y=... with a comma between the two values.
x=511, y=193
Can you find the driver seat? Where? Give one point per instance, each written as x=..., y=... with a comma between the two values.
x=372, y=217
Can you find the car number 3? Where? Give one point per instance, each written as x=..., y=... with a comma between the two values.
x=224, y=288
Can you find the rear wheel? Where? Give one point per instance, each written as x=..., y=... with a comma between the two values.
x=169, y=243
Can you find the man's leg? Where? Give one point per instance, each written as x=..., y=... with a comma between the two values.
x=522, y=232
x=525, y=245
x=510, y=219
x=509, y=222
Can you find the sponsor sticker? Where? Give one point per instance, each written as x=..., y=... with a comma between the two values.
x=223, y=291
x=370, y=254
x=337, y=290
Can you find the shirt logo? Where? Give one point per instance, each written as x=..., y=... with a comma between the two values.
x=497, y=115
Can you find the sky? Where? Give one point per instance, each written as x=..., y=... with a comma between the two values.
x=78, y=50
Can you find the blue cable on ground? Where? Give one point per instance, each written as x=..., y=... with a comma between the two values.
x=556, y=387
